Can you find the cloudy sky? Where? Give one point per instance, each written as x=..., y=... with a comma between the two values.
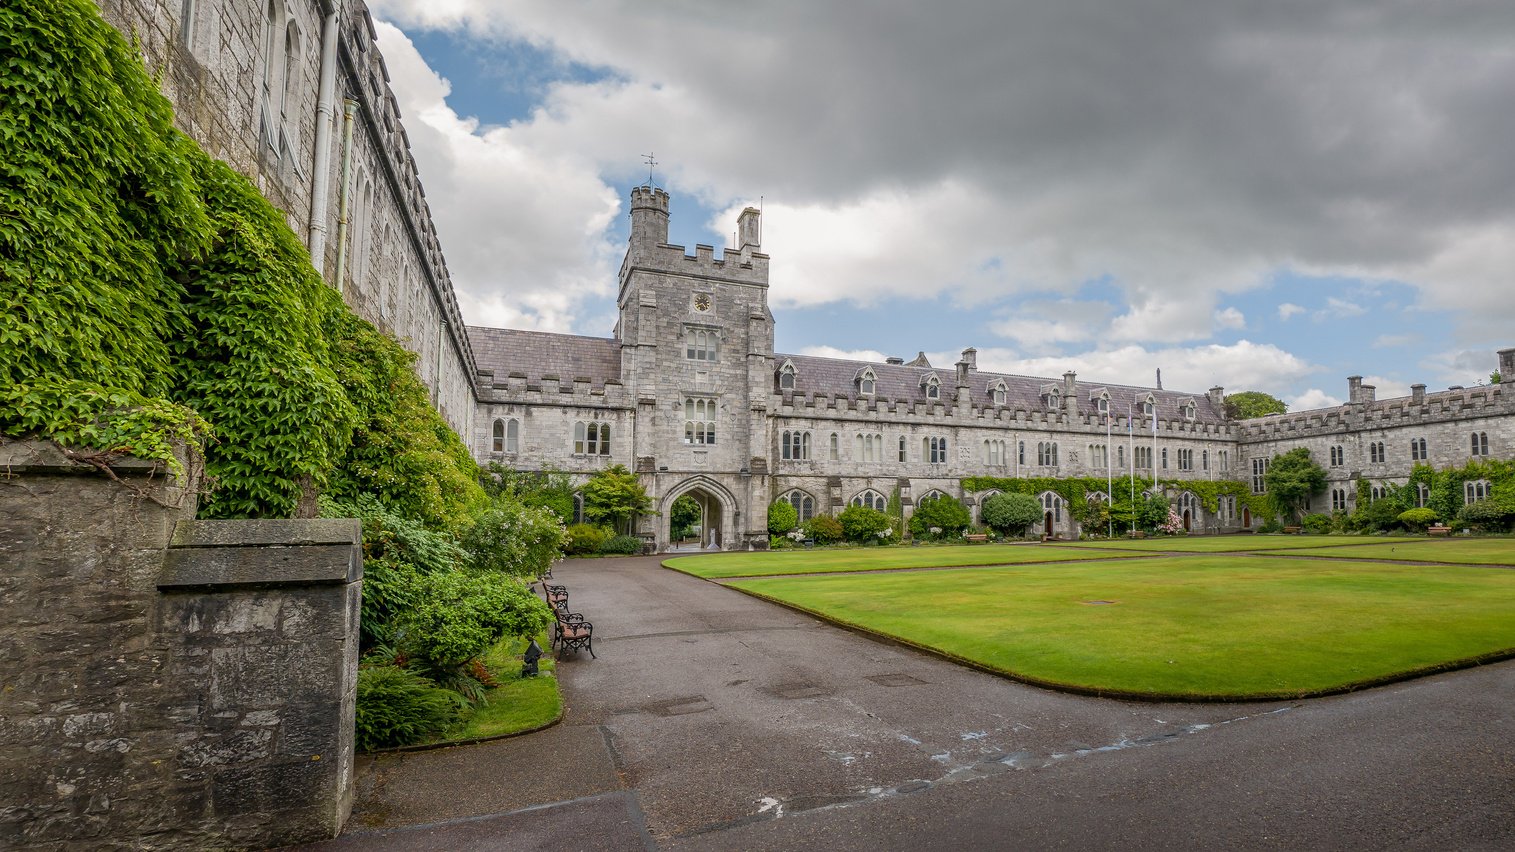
x=1267, y=196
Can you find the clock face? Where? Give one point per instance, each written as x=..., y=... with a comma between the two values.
x=702, y=302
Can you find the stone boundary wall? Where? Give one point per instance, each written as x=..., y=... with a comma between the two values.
x=168, y=683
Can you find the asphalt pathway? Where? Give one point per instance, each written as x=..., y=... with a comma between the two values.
x=713, y=720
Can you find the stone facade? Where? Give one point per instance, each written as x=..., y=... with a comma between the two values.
x=695, y=332
x=268, y=86
x=168, y=683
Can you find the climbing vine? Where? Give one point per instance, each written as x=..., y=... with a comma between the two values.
x=1075, y=490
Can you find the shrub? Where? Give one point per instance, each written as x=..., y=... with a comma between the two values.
x=862, y=524
x=1376, y=516
x=1317, y=524
x=1417, y=519
x=782, y=517
x=1271, y=525
x=398, y=707
x=1492, y=514
x=464, y=613
x=824, y=529
x=516, y=539
x=1010, y=513
x=614, y=496
x=943, y=513
x=585, y=539
x=624, y=545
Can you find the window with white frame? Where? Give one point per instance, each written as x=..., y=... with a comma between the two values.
x=1054, y=400
x=1259, y=474
x=786, y=377
x=1102, y=403
x=999, y=393
x=904, y=450
x=803, y=503
x=591, y=439
x=699, y=420
x=794, y=445
x=513, y=436
x=1422, y=495
x=1149, y=406
x=1475, y=490
x=994, y=453
x=1480, y=443
x=1165, y=458
x=497, y=444
x=1204, y=459
x=1046, y=453
x=578, y=508
x=1185, y=459
x=933, y=387
x=871, y=499
x=1418, y=450
x=1052, y=502
x=1189, y=411
x=1144, y=458
x=700, y=345
x=868, y=448
x=867, y=382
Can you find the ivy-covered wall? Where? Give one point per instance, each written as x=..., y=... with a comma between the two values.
x=152, y=296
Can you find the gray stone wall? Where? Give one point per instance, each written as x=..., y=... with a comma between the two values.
x=169, y=683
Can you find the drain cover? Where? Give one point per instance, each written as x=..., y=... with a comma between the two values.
x=797, y=690
x=896, y=679
x=679, y=706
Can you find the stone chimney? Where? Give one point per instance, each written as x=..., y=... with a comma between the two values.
x=1368, y=394
x=1070, y=393
x=749, y=229
x=963, y=394
x=1218, y=398
x=970, y=355
x=1417, y=394
x=1506, y=366
x=649, y=216
x=1354, y=390
x=895, y=360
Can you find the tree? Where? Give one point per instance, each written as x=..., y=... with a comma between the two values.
x=614, y=496
x=1495, y=378
x=514, y=538
x=683, y=517
x=782, y=517
x=942, y=513
x=1291, y=478
x=1011, y=514
x=1248, y=404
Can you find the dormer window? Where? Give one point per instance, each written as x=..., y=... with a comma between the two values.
x=786, y=376
x=1054, y=399
x=932, y=385
x=1149, y=406
x=1102, y=402
x=999, y=393
x=866, y=381
x=1188, y=409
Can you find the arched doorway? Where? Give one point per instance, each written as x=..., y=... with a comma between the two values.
x=717, y=516
x=1188, y=509
x=1246, y=517
x=1052, y=513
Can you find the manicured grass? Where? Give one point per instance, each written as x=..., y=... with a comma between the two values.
x=1472, y=551
x=1182, y=627
x=719, y=565
x=1228, y=543
x=517, y=704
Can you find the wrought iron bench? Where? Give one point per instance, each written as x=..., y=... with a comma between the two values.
x=978, y=537
x=572, y=632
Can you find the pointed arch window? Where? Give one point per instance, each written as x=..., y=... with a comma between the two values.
x=932, y=386
x=786, y=376
x=835, y=451
x=803, y=503
x=1053, y=503
x=1102, y=402
x=795, y=445
x=867, y=382
x=1149, y=406
x=700, y=345
x=871, y=499
x=591, y=439
x=513, y=436
x=999, y=393
x=699, y=421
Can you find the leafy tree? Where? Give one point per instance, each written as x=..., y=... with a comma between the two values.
x=945, y=513
x=1495, y=378
x=551, y=489
x=1011, y=514
x=683, y=517
x=614, y=496
x=862, y=524
x=1248, y=404
x=782, y=517
x=516, y=539
x=1291, y=478
x=584, y=539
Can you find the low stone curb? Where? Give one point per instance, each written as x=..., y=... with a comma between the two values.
x=470, y=741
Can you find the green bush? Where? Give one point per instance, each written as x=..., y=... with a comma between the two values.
x=1417, y=519
x=398, y=707
x=585, y=539
x=945, y=513
x=544, y=489
x=1011, y=514
x=862, y=525
x=516, y=539
x=1316, y=524
x=782, y=517
x=1492, y=515
x=623, y=545
x=824, y=529
x=1271, y=525
x=463, y=614
x=1376, y=516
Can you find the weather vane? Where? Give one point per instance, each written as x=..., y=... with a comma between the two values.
x=651, y=164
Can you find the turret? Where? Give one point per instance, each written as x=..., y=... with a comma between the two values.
x=1506, y=365
x=649, y=216
x=749, y=229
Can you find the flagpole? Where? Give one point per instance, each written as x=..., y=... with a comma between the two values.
x=1131, y=459
x=1109, y=476
x=1154, y=445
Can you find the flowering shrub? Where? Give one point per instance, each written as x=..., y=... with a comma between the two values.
x=1173, y=524
x=515, y=539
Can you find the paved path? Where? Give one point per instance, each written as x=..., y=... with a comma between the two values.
x=712, y=720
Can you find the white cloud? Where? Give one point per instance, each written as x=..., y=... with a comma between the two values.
x=1389, y=341
x=1289, y=309
x=1312, y=399
x=1230, y=318
x=873, y=355
x=1466, y=367
x=1339, y=309
x=1384, y=388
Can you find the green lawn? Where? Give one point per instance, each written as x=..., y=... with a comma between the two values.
x=719, y=565
x=517, y=704
x=1182, y=627
x=1230, y=543
x=1473, y=551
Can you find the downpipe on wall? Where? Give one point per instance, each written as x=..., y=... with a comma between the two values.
x=349, y=109
x=324, y=117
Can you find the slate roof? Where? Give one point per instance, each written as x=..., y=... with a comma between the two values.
x=834, y=377
x=540, y=353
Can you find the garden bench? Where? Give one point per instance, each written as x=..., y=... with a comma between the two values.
x=978, y=537
x=556, y=595
x=1291, y=530
x=1438, y=530
x=572, y=632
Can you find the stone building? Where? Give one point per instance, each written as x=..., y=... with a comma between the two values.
x=688, y=391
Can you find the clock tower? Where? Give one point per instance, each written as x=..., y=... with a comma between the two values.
x=697, y=357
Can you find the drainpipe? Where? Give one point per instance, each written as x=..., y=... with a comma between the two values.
x=349, y=108
x=436, y=393
x=324, y=104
